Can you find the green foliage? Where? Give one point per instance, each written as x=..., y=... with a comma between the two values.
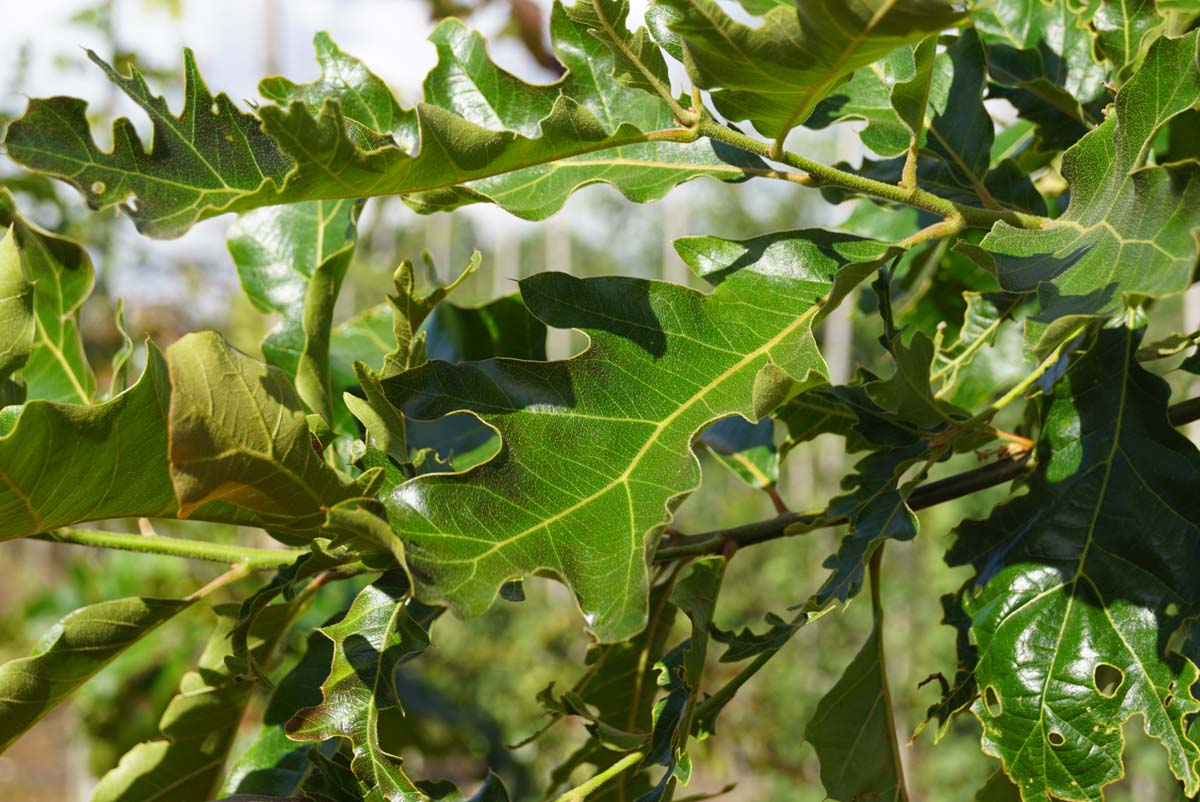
x=424, y=455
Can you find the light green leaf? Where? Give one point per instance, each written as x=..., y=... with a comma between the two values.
x=1124, y=30
x=16, y=308
x=1130, y=229
x=371, y=111
x=637, y=61
x=113, y=457
x=291, y=260
x=867, y=96
x=955, y=141
x=1082, y=583
x=468, y=84
x=381, y=630
x=62, y=276
x=78, y=646
x=854, y=728
x=775, y=74
x=199, y=725
x=664, y=362
x=981, y=357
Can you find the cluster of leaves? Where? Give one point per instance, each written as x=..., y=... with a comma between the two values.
x=436, y=448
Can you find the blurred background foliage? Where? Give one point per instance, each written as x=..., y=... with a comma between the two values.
x=475, y=694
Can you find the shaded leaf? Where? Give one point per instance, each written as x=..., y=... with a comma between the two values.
x=198, y=727
x=854, y=728
x=67, y=656
x=1040, y=58
x=748, y=449
x=275, y=765
x=680, y=672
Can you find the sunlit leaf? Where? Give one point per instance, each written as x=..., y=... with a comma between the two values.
x=380, y=631
x=61, y=274
x=1074, y=606
x=664, y=362
x=775, y=74
x=1130, y=227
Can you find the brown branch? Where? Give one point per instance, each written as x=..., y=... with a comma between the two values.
x=1016, y=462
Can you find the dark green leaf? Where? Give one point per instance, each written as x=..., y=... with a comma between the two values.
x=680, y=672
x=748, y=449
x=854, y=728
x=1082, y=582
x=275, y=765
x=1040, y=56
x=380, y=631
x=1130, y=228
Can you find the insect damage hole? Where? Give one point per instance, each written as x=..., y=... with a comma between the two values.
x=1107, y=679
x=1056, y=738
x=991, y=700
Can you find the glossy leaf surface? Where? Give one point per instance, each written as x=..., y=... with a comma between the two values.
x=1074, y=608
x=377, y=634
x=774, y=74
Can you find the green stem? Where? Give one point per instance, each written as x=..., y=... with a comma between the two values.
x=581, y=792
x=824, y=175
x=252, y=559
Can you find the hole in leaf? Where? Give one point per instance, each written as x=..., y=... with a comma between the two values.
x=991, y=700
x=98, y=187
x=1056, y=739
x=1107, y=679
x=1172, y=610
